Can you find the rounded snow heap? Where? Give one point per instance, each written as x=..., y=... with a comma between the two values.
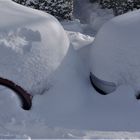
x=32, y=46
x=115, y=56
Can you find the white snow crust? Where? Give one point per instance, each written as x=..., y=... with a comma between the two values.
x=115, y=53
x=38, y=54
x=32, y=46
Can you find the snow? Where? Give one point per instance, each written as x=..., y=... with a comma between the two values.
x=27, y=36
x=115, y=55
x=91, y=15
x=69, y=107
x=79, y=40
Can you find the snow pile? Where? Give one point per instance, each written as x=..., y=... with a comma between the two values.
x=35, y=44
x=61, y=9
x=115, y=54
x=32, y=44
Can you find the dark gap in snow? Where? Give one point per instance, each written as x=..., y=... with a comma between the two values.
x=96, y=88
x=103, y=87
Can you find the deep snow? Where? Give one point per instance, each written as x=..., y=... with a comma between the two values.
x=31, y=43
x=115, y=55
x=71, y=108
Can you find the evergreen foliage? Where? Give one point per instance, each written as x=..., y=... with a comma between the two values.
x=61, y=9
x=120, y=6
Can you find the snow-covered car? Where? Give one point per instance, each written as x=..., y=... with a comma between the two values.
x=115, y=55
x=32, y=46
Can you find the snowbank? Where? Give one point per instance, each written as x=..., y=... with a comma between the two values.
x=71, y=108
x=32, y=46
x=115, y=53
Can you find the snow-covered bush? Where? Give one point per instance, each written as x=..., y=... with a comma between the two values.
x=120, y=6
x=115, y=55
x=32, y=46
x=62, y=9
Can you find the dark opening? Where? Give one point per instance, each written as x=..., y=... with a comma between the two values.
x=101, y=86
x=96, y=88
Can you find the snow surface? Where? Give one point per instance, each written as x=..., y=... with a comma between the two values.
x=70, y=108
x=31, y=43
x=115, y=55
x=91, y=15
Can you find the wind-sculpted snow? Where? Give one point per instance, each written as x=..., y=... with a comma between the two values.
x=32, y=46
x=115, y=53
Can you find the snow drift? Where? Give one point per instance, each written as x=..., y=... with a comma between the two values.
x=71, y=108
x=32, y=45
x=115, y=53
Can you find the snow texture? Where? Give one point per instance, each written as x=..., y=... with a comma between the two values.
x=71, y=108
x=115, y=53
x=120, y=6
x=31, y=43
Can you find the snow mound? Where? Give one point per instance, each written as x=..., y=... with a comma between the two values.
x=115, y=52
x=32, y=46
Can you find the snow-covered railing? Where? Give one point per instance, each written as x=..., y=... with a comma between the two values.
x=25, y=97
